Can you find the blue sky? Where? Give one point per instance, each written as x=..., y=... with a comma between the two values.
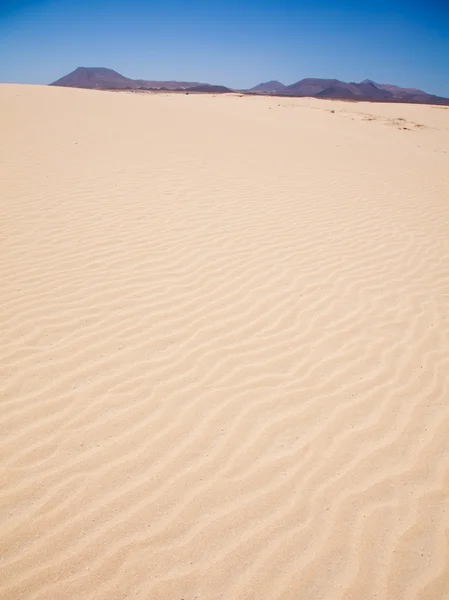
x=234, y=43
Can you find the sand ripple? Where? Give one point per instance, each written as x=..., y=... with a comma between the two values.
x=225, y=348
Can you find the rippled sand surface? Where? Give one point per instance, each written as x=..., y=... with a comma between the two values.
x=224, y=366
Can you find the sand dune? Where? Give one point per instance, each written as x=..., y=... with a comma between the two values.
x=225, y=348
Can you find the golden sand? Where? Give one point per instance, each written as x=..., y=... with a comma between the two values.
x=224, y=367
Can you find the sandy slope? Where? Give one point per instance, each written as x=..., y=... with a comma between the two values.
x=225, y=348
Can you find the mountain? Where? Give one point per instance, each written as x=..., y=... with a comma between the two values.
x=393, y=88
x=268, y=87
x=366, y=91
x=355, y=91
x=411, y=95
x=310, y=87
x=335, y=89
x=210, y=89
x=99, y=78
x=94, y=78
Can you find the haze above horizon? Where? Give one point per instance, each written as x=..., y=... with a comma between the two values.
x=228, y=42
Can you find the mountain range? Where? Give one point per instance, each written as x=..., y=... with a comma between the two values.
x=99, y=78
x=367, y=90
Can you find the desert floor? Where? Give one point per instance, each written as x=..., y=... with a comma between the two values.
x=224, y=367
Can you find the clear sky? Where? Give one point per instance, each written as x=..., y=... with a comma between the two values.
x=229, y=42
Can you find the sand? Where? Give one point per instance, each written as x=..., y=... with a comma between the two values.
x=225, y=347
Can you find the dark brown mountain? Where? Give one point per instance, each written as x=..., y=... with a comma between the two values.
x=209, y=89
x=411, y=95
x=310, y=87
x=95, y=78
x=367, y=90
x=333, y=88
x=268, y=87
x=99, y=78
x=356, y=91
x=393, y=88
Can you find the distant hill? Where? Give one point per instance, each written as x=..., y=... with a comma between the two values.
x=335, y=89
x=99, y=78
x=211, y=89
x=412, y=95
x=394, y=88
x=310, y=87
x=268, y=87
x=355, y=91
x=368, y=91
x=95, y=78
